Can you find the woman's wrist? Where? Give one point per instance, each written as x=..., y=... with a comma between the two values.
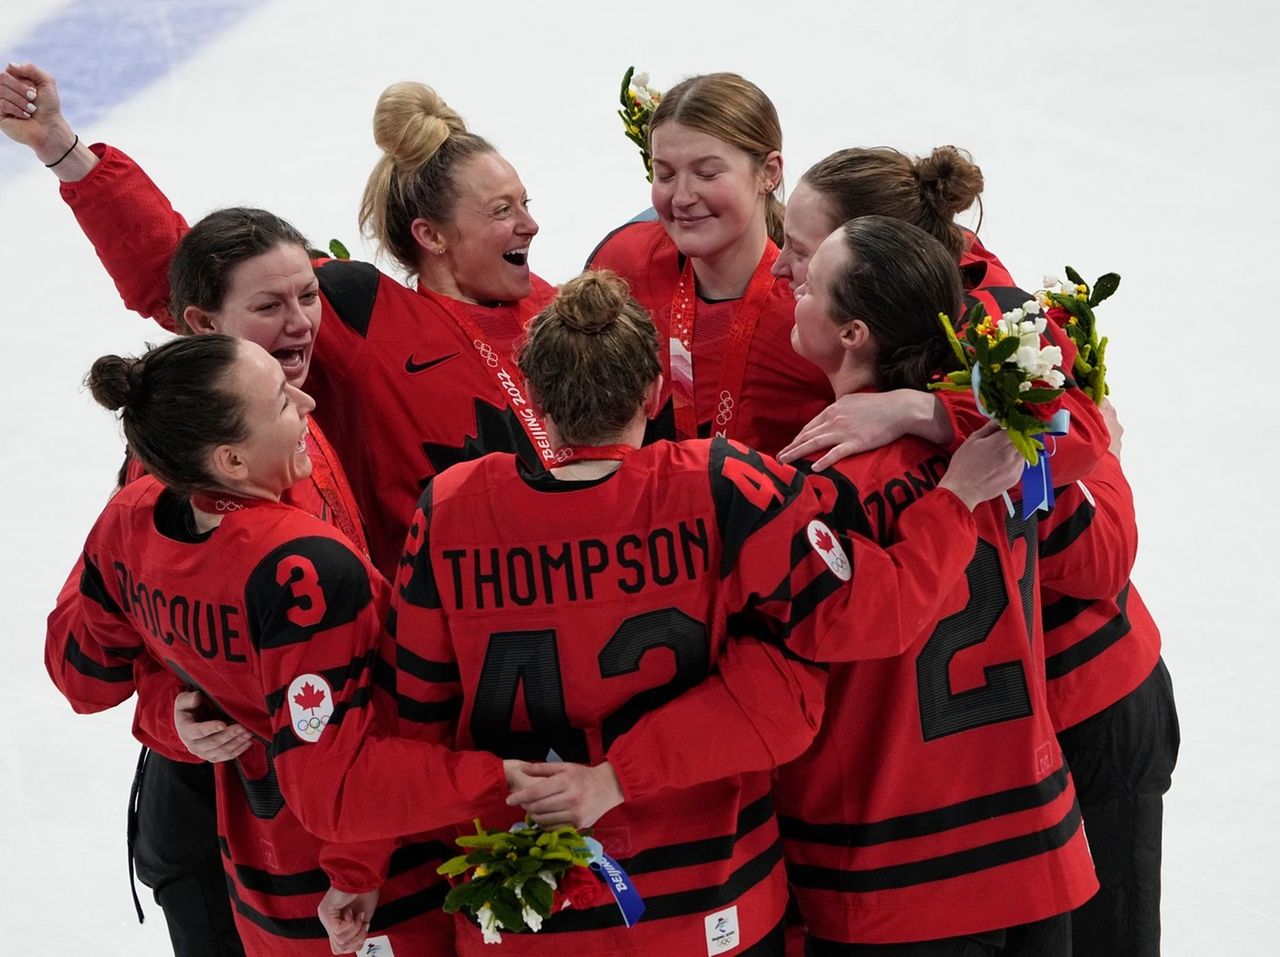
x=66, y=155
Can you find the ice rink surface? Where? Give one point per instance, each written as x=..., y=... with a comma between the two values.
x=1113, y=136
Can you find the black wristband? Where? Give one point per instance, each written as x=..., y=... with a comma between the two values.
x=74, y=144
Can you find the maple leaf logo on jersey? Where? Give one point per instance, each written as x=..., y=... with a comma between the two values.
x=497, y=430
x=829, y=550
x=310, y=707
x=309, y=697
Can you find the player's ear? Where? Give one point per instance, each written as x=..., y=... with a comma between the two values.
x=429, y=236
x=198, y=321
x=653, y=398
x=227, y=466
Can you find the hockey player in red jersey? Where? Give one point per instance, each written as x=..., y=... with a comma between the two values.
x=702, y=271
x=407, y=381
x=1112, y=704
x=935, y=805
x=247, y=273
x=274, y=616
x=927, y=192
x=555, y=613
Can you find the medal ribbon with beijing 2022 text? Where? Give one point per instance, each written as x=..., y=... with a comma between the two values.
x=679, y=347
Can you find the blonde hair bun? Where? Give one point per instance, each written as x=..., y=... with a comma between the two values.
x=411, y=122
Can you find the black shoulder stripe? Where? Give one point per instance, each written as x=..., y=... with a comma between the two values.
x=91, y=669
x=285, y=740
x=946, y=866
x=437, y=672
x=337, y=677
x=1008, y=298
x=282, y=885
x=1085, y=650
x=351, y=288
x=923, y=823
x=93, y=587
x=1067, y=608
x=428, y=712
x=1067, y=532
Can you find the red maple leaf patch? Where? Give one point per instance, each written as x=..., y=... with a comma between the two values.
x=309, y=697
x=823, y=540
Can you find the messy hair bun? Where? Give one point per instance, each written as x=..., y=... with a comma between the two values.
x=880, y=181
x=174, y=404
x=590, y=357
x=423, y=141
x=592, y=302
x=113, y=380
x=949, y=180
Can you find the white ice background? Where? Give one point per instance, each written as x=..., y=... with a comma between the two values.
x=1140, y=138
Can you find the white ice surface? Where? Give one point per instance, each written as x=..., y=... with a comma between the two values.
x=1139, y=138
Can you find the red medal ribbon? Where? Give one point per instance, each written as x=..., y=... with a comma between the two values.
x=223, y=503
x=331, y=483
x=678, y=348
x=592, y=453
x=508, y=384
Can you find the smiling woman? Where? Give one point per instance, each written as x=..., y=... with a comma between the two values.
x=444, y=205
x=703, y=270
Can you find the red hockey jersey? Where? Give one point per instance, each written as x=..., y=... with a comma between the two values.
x=278, y=622
x=1100, y=640
x=402, y=388
x=935, y=801
x=89, y=688
x=536, y=615
x=780, y=391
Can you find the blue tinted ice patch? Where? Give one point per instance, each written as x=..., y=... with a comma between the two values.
x=102, y=52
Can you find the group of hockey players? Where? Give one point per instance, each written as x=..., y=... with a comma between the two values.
x=685, y=551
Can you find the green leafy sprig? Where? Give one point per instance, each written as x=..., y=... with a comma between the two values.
x=638, y=100
x=1071, y=305
x=507, y=871
x=1019, y=395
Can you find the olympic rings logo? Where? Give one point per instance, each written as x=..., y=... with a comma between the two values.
x=724, y=412
x=486, y=353
x=312, y=725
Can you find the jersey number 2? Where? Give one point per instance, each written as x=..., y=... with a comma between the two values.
x=1004, y=695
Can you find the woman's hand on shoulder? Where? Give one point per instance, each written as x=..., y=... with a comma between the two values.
x=862, y=421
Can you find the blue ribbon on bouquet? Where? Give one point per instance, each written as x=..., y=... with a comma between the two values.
x=1037, y=480
x=616, y=879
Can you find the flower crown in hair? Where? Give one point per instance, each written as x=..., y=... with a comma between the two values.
x=639, y=100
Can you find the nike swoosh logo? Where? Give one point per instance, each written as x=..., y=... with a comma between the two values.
x=413, y=368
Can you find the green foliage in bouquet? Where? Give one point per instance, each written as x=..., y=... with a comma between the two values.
x=512, y=874
x=639, y=100
x=1071, y=305
x=1018, y=384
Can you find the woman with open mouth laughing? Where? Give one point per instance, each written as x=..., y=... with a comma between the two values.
x=407, y=380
